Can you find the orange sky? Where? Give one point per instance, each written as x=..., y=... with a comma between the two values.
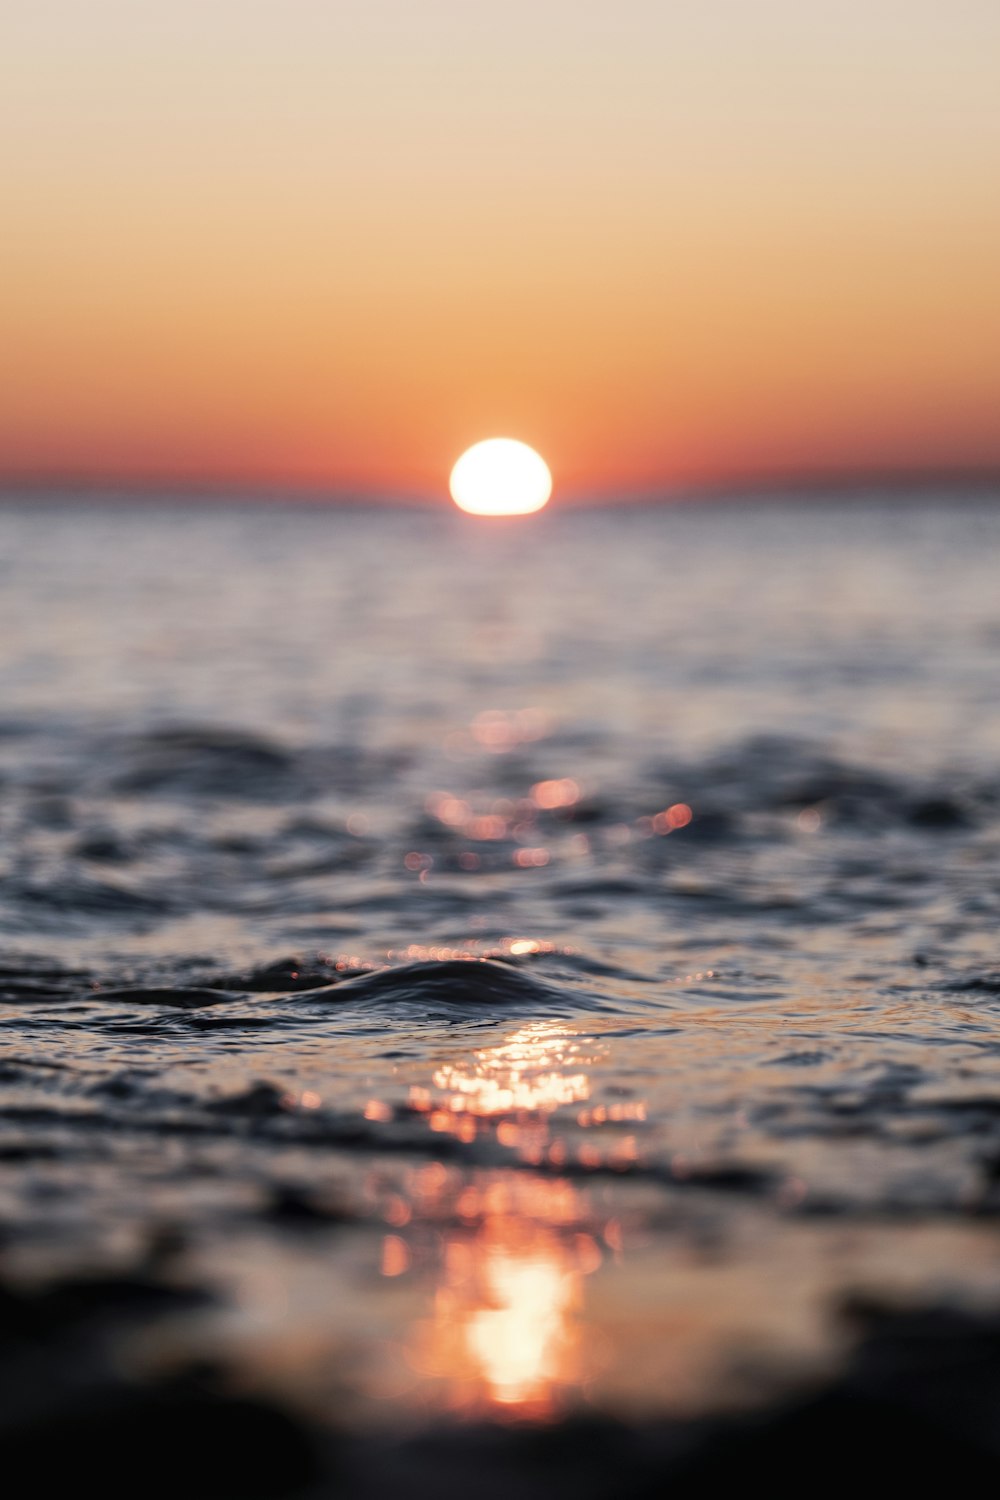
x=334, y=243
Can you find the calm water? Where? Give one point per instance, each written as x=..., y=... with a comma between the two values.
x=517, y=967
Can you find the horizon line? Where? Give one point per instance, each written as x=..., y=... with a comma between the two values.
x=55, y=485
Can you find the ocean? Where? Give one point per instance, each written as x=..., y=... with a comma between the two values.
x=476, y=982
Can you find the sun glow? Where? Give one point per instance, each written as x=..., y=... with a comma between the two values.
x=500, y=477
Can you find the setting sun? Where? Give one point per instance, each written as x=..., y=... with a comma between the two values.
x=500, y=477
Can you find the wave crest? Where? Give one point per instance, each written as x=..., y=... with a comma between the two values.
x=461, y=982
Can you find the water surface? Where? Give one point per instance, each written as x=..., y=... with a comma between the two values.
x=518, y=968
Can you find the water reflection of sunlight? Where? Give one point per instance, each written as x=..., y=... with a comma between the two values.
x=518, y=1338
x=511, y=1092
x=503, y=1328
x=527, y=1072
x=511, y=1249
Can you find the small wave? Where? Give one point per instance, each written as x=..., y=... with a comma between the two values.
x=209, y=761
x=461, y=982
x=183, y=999
x=282, y=977
x=90, y=897
x=984, y=984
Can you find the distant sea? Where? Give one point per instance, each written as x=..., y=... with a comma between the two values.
x=484, y=977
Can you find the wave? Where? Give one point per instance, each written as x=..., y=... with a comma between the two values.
x=459, y=982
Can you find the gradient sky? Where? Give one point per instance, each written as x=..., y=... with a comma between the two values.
x=333, y=242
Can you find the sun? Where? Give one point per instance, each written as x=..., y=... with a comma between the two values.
x=500, y=477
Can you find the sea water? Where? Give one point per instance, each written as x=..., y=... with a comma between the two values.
x=519, y=967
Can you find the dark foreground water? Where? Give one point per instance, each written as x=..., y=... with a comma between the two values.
x=493, y=1004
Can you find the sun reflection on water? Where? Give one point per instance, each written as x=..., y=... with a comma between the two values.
x=509, y=1250
x=503, y=1329
x=525, y=1073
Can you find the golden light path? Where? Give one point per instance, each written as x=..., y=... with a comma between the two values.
x=503, y=1329
x=500, y=477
